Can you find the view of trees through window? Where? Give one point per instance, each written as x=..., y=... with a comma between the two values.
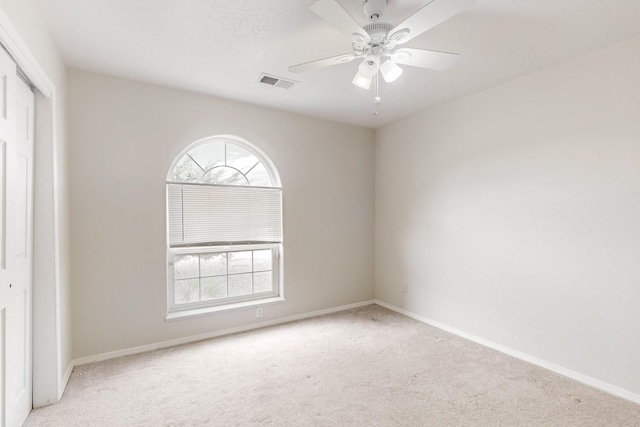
x=221, y=163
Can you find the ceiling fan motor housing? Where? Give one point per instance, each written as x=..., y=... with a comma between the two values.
x=373, y=9
x=378, y=31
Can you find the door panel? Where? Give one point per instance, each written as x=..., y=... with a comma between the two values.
x=20, y=345
x=3, y=377
x=6, y=73
x=19, y=329
x=7, y=136
x=3, y=206
x=22, y=205
x=16, y=240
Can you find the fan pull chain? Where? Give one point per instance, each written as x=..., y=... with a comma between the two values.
x=376, y=97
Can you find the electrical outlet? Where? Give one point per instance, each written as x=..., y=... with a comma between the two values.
x=259, y=312
x=405, y=287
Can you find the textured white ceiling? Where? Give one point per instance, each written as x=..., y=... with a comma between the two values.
x=220, y=47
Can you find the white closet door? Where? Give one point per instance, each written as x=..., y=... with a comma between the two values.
x=19, y=374
x=16, y=242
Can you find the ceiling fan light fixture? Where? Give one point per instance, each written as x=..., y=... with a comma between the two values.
x=362, y=80
x=369, y=67
x=390, y=71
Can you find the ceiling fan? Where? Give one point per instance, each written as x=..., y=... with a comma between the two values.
x=377, y=41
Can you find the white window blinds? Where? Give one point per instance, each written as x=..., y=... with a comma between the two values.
x=223, y=214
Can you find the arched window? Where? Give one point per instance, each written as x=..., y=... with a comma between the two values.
x=224, y=228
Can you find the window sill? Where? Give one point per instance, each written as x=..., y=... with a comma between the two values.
x=195, y=312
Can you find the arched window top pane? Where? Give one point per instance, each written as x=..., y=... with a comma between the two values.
x=187, y=170
x=241, y=159
x=208, y=156
x=221, y=163
x=259, y=177
x=223, y=175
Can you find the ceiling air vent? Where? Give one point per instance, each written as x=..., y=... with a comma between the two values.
x=276, y=81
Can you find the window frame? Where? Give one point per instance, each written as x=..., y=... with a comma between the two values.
x=180, y=310
x=174, y=307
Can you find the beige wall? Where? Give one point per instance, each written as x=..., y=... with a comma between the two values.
x=52, y=326
x=124, y=136
x=514, y=214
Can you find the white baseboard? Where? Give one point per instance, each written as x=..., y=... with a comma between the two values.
x=194, y=338
x=593, y=382
x=65, y=380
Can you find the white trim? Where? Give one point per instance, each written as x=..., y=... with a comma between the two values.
x=212, y=249
x=593, y=382
x=194, y=338
x=55, y=183
x=65, y=379
x=18, y=49
x=203, y=311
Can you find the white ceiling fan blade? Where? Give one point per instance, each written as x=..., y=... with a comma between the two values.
x=424, y=58
x=320, y=63
x=434, y=13
x=335, y=15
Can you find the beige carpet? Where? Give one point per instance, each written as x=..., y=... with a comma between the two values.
x=361, y=367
